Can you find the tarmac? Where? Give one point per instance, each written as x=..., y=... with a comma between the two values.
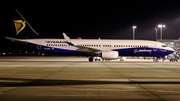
x=72, y=79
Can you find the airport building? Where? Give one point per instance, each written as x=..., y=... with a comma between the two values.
x=174, y=43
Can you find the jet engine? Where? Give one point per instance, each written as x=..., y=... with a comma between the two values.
x=110, y=55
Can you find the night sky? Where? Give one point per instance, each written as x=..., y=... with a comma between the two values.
x=111, y=19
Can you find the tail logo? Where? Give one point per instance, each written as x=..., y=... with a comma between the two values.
x=19, y=25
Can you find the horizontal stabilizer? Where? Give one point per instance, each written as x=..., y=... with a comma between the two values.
x=13, y=39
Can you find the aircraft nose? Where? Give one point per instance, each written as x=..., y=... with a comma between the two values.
x=171, y=49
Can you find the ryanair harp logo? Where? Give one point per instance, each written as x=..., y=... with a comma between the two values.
x=19, y=25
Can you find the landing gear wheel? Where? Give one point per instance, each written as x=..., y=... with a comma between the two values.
x=91, y=59
x=156, y=59
x=121, y=59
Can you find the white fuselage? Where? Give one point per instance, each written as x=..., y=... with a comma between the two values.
x=124, y=47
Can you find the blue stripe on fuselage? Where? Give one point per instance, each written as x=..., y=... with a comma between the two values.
x=140, y=51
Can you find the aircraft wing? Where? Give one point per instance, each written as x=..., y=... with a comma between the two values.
x=88, y=49
x=85, y=49
x=81, y=48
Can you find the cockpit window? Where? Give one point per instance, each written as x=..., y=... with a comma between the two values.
x=164, y=45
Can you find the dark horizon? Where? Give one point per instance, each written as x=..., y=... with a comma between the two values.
x=91, y=19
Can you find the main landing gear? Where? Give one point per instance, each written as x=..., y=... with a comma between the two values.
x=94, y=58
x=90, y=59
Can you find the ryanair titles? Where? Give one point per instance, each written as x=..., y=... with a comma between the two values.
x=55, y=42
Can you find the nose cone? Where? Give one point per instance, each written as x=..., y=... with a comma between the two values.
x=171, y=50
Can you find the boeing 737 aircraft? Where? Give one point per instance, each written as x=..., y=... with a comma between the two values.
x=106, y=49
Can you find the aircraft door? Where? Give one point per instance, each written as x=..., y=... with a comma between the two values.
x=39, y=45
x=155, y=47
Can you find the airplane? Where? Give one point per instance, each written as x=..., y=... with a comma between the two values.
x=106, y=49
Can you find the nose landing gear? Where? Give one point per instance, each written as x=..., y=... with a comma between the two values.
x=155, y=59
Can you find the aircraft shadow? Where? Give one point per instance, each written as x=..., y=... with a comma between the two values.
x=11, y=82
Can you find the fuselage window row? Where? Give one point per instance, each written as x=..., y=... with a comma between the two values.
x=99, y=45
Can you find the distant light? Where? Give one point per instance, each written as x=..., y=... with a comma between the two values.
x=133, y=26
x=4, y=53
x=160, y=25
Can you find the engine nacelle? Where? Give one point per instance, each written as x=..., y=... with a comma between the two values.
x=110, y=55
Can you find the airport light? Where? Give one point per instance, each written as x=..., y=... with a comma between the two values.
x=156, y=33
x=134, y=27
x=161, y=26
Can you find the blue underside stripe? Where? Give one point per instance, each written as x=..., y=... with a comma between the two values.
x=122, y=52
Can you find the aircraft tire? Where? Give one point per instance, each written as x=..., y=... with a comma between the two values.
x=91, y=59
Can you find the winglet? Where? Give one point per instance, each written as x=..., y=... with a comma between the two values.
x=68, y=40
x=66, y=37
